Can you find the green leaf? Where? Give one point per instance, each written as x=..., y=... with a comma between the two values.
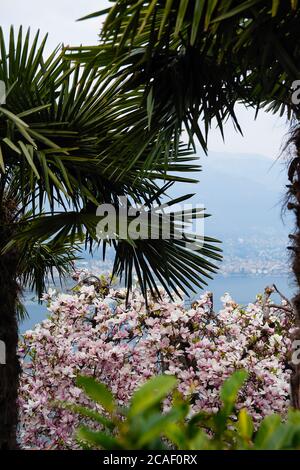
x=26, y=135
x=28, y=153
x=275, y=6
x=150, y=107
x=156, y=424
x=98, y=392
x=88, y=413
x=235, y=11
x=98, y=439
x=2, y=164
x=199, y=5
x=231, y=388
x=29, y=112
x=151, y=393
x=149, y=11
x=245, y=425
x=177, y=435
x=180, y=16
x=96, y=14
x=200, y=442
x=270, y=433
x=13, y=117
x=211, y=5
x=294, y=4
x=10, y=144
x=165, y=16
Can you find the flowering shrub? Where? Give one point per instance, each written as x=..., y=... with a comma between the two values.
x=142, y=425
x=92, y=332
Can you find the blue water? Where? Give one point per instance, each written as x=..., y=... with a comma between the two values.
x=243, y=289
x=36, y=312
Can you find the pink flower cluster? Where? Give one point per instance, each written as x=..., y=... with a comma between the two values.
x=92, y=331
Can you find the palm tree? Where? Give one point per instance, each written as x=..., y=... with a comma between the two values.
x=197, y=59
x=20, y=267
x=68, y=142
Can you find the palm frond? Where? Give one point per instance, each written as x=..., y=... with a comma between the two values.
x=40, y=263
x=176, y=262
x=170, y=47
x=73, y=137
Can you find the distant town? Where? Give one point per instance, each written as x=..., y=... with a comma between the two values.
x=249, y=256
x=255, y=256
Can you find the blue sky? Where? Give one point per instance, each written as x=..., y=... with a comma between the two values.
x=58, y=17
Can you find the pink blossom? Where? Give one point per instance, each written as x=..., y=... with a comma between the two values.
x=123, y=345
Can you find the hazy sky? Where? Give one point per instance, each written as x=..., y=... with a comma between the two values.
x=58, y=18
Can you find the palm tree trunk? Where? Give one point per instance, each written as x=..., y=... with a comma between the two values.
x=294, y=205
x=9, y=372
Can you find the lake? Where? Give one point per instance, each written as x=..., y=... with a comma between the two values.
x=243, y=289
